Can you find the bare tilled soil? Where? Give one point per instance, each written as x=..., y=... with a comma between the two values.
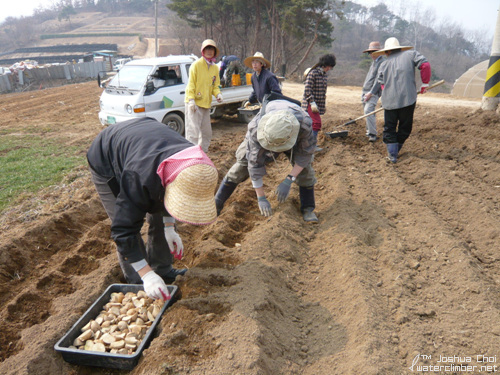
x=402, y=270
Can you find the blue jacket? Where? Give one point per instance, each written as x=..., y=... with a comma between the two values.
x=263, y=84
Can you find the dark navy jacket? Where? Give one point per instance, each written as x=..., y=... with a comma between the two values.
x=263, y=84
x=128, y=154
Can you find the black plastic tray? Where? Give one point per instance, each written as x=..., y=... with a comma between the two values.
x=100, y=359
x=338, y=134
x=246, y=111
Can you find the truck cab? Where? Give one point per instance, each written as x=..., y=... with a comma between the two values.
x=156, y=88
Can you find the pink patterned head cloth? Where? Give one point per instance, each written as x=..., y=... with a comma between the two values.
x=175, y=164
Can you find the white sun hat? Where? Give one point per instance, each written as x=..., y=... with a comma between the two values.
x=277, y=131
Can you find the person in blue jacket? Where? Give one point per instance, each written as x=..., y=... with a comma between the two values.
x=263, y=80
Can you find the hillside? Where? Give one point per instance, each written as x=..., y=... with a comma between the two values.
x=94, y=23
x=450, y=50
x=402, y=268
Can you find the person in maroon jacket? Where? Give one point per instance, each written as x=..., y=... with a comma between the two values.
x=143, y=169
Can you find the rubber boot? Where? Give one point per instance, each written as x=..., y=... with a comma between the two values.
x=307, y=204
x=226, y=188
x=392, y=151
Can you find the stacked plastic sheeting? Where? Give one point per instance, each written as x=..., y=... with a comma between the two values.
x=471, y=83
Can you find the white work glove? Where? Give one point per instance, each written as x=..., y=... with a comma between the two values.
x=174, y=242
x=314, y=107
x=192, y=106
x=367, y=97
x=155, y=287
x=423, y=88
x=219, y=98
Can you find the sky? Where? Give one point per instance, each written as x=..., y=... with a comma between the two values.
x=471, y=15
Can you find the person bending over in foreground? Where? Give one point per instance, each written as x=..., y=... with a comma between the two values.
x=143, y=169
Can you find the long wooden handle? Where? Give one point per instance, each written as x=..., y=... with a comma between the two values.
x=361, y=117
x=438, y=83
x=381, y=108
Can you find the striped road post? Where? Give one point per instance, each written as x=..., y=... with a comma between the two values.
x=491, y=96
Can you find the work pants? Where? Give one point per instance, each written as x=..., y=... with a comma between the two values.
x=198, y=127
x=316, y=118
x=371, y=121
x=398, y=124
x=156, y=252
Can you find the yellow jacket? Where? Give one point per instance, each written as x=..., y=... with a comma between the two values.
x=203, y=82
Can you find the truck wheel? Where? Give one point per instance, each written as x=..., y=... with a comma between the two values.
x=218, y=113
x=174, y=122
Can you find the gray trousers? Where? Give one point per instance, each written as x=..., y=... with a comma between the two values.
x=156, y=251
x=239, y=171
x=198, y=127
x=371, y=121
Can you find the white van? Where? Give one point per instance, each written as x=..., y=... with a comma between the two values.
x=118, y=64
x=156, y=88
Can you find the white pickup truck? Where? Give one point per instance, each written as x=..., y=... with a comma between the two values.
x=155, y=88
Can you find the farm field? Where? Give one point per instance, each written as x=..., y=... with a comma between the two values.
x=402, y=269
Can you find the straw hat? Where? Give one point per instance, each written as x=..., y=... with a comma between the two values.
x=373, y=46
x=258, y=56
x=306, y=72
x=209, y=42
x=278, y=130
x=190, y=197
x=391, y=44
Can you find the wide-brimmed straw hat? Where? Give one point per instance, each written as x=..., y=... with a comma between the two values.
x=373, y=46
x=257, y=56
x=391, y=44
x=209, y=42
x=278, y=130
x=190, y=197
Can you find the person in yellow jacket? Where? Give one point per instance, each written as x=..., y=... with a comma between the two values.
x=203, y=82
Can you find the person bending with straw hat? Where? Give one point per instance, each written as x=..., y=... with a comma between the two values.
x=143, y=169
x=399, y=93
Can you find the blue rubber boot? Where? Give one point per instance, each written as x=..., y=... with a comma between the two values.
x=226, y=188
x=392, y=152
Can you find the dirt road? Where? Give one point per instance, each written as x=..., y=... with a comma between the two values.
x=402, y=269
